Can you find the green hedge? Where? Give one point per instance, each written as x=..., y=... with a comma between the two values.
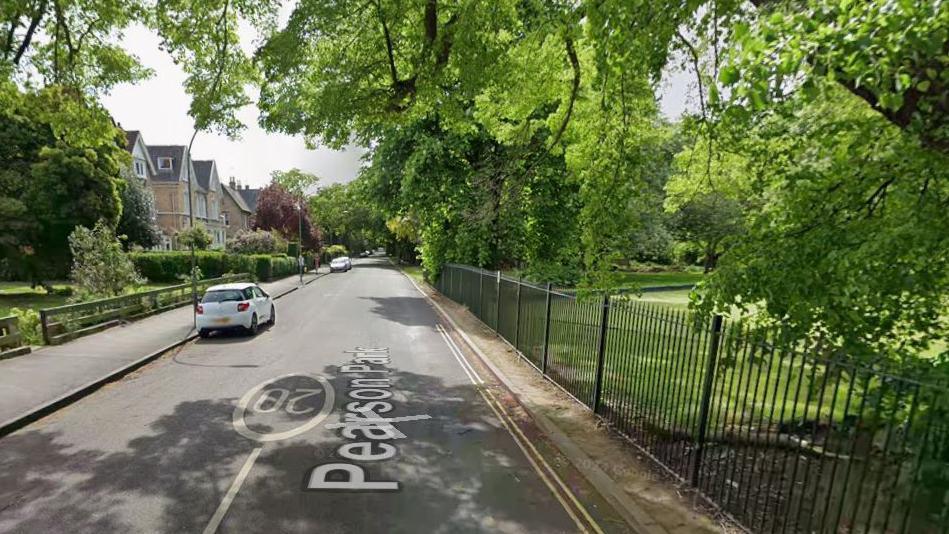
x=173, y=266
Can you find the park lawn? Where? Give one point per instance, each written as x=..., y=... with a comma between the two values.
x=677, y=298
x=671, y=278
x=21, y=295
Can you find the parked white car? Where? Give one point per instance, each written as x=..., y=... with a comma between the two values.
x=231, y=306
x=342, y=263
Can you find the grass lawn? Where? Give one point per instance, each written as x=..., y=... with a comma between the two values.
x=673, y=278
x=677, y=298
x=21, y=295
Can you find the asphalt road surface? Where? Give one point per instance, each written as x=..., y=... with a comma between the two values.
x=352, y=414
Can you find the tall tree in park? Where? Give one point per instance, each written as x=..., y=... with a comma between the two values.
x=137, y=223
x=300, y=184
x=279, y=210
x=344, y=215
x=60, y=163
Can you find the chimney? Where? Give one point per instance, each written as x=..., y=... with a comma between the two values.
x=232, y=183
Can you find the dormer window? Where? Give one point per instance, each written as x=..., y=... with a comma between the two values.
x=140, y=168
x=165, y=164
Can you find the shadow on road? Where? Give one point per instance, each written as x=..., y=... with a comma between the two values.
x=459, y=471
x=402, y=310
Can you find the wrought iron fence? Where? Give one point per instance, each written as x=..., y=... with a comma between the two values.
x=783, y=437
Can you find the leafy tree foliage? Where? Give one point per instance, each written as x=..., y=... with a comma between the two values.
x=100, y=267
x=298, y=183
x=196, y=236
x=78, y=44
x=137, y=222
x=280, y=211
x=60, y=162
x=345, y=216
x=848, y=238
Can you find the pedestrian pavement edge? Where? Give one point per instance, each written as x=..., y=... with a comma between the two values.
x=34, y=414
x=638, y=518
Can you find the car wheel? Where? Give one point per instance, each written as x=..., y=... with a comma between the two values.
x=253, y=325
x=204, y=332
x=273, y=316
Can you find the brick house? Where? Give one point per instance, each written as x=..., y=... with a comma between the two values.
x=237, y=214
x=250, y=198
x=144, y=169
x=210, y=201
x=173, y=166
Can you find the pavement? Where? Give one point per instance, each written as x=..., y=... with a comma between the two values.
x=354, y=413
x=32, y=382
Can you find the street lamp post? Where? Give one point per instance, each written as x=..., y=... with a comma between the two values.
x=300, y=244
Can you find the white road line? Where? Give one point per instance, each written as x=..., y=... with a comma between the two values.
x=460, y=357
x=221, y=511
x=519, y=438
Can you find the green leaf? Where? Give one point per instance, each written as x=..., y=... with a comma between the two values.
x=728, y=75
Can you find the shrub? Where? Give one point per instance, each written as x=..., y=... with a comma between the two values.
x=198, y=235
x=254, y=242
x=334, y=251
x=173, y=266
x=30, y=327
x=100, y=267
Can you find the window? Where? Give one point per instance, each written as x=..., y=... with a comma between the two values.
x=184, y=205
x=202, y=206
x=225, y=219
x=223, y=295
x=165, y=164
x=140, y=168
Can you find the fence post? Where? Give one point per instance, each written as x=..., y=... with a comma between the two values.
x=543, y=362
x=480, y=293
x=601, y=353
x=706, y=397
x=517, y=313
x=44, y=321
x=497, y=308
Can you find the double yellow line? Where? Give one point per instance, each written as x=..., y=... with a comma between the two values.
x=575, y=509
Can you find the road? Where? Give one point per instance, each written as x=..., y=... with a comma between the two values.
x=351, y=414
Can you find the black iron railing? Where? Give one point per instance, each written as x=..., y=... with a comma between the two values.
x=782, y=436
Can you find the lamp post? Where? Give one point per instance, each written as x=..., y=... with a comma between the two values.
x=300, y=243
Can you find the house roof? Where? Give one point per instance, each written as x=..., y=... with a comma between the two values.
x=176, y=153
x=130, y=137
x=202, y=170
x=250, y=197
x=237, y=198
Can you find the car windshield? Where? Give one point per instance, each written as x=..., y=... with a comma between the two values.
x=223, y=295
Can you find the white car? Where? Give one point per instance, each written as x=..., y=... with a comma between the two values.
x=341, y=263
x=231, y=306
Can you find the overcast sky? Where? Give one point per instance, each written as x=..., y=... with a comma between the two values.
x=158, y=107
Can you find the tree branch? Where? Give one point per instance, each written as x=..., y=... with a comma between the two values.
x=34, y=22
x=8, y=44
x=431, y=21
x=575, y=65
x=389, y=49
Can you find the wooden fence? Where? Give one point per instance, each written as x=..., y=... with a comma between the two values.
x=63, y=323
x=11, y=340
